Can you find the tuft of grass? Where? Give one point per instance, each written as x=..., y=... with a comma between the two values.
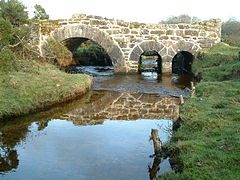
x=36, y=86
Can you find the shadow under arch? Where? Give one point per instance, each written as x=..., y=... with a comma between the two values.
x=150, y=61
x=104, y=40
x=146, y=46
x=87, y=52
x=185, y=52
x=182, y=63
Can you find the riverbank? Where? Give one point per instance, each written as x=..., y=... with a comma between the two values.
x=35, y=86
x=208, y=138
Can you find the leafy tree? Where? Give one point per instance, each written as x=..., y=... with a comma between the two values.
x=7, y=57
x=14, y=12
x=183, y=18
x=231, y=32
x=40, y=13
x=14, y=32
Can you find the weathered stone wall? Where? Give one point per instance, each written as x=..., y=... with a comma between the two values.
x=126, y=41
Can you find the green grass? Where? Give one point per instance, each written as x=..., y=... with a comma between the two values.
x=209, y=136
x=34, y=86
x=219, y=64
x=225, y=49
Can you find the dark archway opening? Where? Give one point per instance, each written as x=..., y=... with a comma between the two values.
x=150, y=61
x=87, y=52
x=182, y=63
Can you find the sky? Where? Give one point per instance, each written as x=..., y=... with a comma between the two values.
x=149, y=11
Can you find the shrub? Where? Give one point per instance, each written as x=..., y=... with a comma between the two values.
x=5, y=32
x=59, y=52
x=7, y=59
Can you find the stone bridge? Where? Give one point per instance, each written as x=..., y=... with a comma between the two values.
x=125, y=42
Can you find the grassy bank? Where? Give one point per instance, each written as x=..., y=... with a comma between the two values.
x=34, y=86
x=209, y=137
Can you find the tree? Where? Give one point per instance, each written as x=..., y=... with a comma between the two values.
x=231, y=32
x=14, y=12
x=6, y=32
x=183, y=18
x=14, y=33
x=40, y=13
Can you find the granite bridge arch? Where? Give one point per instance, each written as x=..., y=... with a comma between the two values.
x=126, y=41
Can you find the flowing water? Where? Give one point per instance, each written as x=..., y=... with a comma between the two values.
x=101, y=136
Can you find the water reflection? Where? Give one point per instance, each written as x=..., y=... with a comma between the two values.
x=103, y=135
x=88, y=145
x=62, y=151
x=8, y=159
x=154, y=168
x=123, y=106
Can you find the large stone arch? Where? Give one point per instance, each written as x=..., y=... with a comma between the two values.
x=146, y=46
x=100, y=37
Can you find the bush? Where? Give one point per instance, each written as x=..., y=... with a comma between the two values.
x=59, y=52
x=231, y=32
x=7, y=59
x=14, y=12
x=5, y=32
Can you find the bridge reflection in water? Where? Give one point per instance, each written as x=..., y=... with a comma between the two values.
x=123, y=106
x=103, y=135
x=117, y=149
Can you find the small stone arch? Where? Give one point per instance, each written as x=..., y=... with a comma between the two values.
x=187, y=46
x=145, y=46
x=100, y=37
x=139, y=49
x=185, y=50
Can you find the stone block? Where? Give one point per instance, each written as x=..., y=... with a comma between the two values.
x=133, y=31
x=116, y=55
x=122, y=23
x=163, y=51
x=168, y=43
x=163, y=38
x=170, y=32
x=124, y=45
x=98, y=22
x=98, y=17
x=191, y=32
x=158, y=32
x=171, y=52
x=212, y=35
x=120, y=40
x=144, y=31
x=125, y=31
x=131, y=45
x=179, y=32
x=175, y=38
x=183, y=26
x=136, y=53
x=116, y=31
x=137, y=25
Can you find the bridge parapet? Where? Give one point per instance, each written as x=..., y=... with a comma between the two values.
x=126, y=41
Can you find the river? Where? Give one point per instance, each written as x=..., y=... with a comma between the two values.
x=102, y=136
